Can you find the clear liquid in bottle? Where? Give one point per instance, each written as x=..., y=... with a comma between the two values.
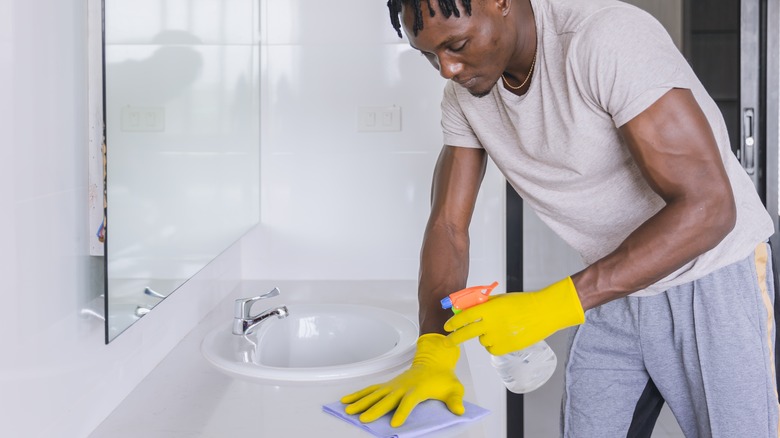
x=526, y=370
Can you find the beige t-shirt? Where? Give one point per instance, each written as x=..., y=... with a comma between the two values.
x=599, y=64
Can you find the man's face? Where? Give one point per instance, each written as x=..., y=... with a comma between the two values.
x=467, y=49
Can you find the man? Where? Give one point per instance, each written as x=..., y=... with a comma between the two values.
x=594, y=117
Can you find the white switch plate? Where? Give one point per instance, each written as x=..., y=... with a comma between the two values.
x=379, y=118
x=143, y=119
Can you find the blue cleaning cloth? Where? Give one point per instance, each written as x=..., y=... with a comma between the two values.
x=429, y=416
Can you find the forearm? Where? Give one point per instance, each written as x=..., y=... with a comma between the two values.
x=677, y=234
x=444, y=258
x=444, y=267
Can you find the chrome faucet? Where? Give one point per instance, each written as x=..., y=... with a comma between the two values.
x=244, y=323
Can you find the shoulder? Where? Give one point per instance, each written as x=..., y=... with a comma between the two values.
x=450, y=90
x=617, y=24
x=576, y=16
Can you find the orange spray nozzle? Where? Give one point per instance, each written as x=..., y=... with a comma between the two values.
x=468, y=297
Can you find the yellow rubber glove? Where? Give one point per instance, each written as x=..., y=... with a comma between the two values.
x=431, y=376
x=514, y=321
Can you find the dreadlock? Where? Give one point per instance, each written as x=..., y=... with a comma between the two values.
x=447, y=7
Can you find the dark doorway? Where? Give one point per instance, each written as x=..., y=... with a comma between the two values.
x=723, y=40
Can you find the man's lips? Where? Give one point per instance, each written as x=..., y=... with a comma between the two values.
x=468, y=83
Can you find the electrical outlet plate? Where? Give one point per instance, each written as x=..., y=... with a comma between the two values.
x=143, y=119
x=379, y=118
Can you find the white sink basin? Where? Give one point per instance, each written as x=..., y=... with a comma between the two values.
x=316, y=342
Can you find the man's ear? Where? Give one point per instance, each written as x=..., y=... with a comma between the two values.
x=504, y=6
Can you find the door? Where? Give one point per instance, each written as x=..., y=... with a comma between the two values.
x=723, y=43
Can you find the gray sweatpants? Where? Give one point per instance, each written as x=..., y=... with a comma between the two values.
x=706, y=348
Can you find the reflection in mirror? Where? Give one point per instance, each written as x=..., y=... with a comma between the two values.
x=182, y=140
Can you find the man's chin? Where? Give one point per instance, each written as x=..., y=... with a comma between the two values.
x=480, y=93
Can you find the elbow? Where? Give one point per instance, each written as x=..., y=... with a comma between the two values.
x=717, y=218
x=724, y=224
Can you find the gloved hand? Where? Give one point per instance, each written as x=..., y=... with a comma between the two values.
x=514, y=321
x=431, y=376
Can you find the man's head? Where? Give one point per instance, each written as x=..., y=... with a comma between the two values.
x=469, y=41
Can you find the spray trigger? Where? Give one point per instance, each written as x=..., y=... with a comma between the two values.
x=468, y=297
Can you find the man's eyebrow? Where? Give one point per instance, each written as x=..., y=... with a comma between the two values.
x=447, y=41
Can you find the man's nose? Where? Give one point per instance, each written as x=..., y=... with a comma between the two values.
x=449, y=68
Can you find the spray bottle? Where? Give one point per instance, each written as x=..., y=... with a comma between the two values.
x=521, y=371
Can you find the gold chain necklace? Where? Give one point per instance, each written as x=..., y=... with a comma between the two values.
x=527, y=77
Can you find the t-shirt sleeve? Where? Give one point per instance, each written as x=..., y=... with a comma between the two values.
x=624, y=61
x=454, y=124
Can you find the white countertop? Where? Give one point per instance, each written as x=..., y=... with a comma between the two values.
x=184, y=396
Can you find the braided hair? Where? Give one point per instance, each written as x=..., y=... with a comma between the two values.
x=447, y=7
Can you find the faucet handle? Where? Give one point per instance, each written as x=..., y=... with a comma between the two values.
x=153, y=293
x=243, y=306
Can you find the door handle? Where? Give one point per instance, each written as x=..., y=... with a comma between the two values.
x=748, y=146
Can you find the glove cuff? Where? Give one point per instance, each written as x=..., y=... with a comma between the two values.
x=571, y=308
x=432, y=349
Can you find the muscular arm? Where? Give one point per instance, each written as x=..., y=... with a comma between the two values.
x=676, y=151
x=445, y=250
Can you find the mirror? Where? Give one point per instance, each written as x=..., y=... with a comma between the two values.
x=182, y=118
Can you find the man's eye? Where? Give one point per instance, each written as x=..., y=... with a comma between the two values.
x=458, y=47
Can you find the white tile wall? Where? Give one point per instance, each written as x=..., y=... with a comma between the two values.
x=305, y=22
x=338, y=203
x=7, y=184
x=213, y=21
